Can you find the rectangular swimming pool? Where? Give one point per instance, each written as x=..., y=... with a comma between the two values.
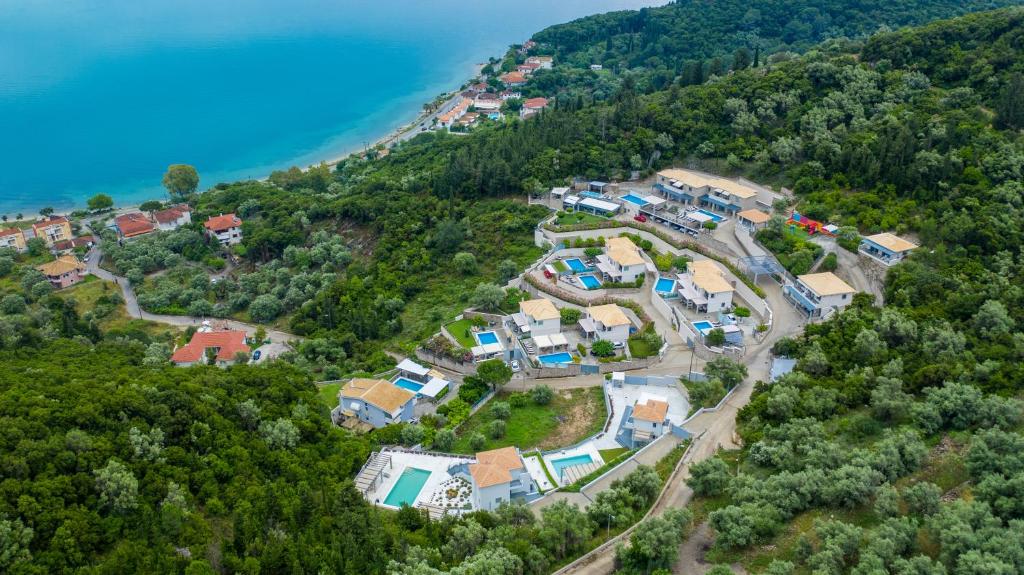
x=714, y=217
x=576, y=265
x=635, y=199
x=560, y=464
x=409, y=384
x=702, y=326
x=408, y=487
x=555, y=358
x=486, y=337
x=665, y=285
x=590, y=282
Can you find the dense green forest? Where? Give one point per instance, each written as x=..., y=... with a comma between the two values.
x=894, y=448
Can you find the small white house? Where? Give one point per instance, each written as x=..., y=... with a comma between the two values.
x=173, y=217
x=542, y=317
x=376, y=402
x=497, y=476
x=820, y=294
x=622, y=261
x=887, y=248
x=606, y=322
x=225, y=228
x=648, y=419
x=704, y=287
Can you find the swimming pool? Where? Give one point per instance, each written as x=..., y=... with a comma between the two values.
x=408, y=486
x=635, y=199
x=590, y=282
x=560, y=464
x=486, y=337
x=576, y=265
x=555, y=358
x=409, y=384
x=702, y=325
x=714, y=217
x=665, y=285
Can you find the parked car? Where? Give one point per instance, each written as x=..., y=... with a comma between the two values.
x=256, y=355
x=618, y=345
x=640, y=218
x=547, y=274
x=514, y=365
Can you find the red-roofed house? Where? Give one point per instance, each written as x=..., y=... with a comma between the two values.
x=528, y=68
x=513, y=79
x=545, y=62
x=65, y=246
x=173, y=217
x=14, y=239
x=224, y=346
x=133, y=225
x=225, y=228
x=533, y=105
x=52, y=229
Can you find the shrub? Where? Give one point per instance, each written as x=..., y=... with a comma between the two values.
x=715, y=338
x=477, y=441
x=518, y=400
x=741, y=312
x=501, y=410
x=542, y=395
x=570, y=315
x=602, y=348
x=830, y=263
x=497, y=429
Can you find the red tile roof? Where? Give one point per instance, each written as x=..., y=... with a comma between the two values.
x=223, y=222
x=228, y=344
x=133, y=224
x=171, y=214
x=49, y=222
x=513, y=78
x=535, y=103
x=9, y=232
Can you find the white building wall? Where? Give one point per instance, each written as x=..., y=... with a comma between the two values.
x=489, y=498
x=544, y=327
x=616, y=334
x=839, y=301
x=719, y=301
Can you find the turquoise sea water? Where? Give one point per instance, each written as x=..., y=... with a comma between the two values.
x=102, y=96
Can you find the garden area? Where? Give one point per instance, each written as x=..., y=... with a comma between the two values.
x=792, y=246
x=574, y=218
x=558, y=419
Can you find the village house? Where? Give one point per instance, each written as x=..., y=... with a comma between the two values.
x=63, y=272
x=423, y=381
x=375, y=402
x=543, y=62
x=52, y=230
x=718, y=194
x=704, y=287
x=607, y=322
x=648, y=419
x=753, y=219
x=14, y=239
x=528, y=68
x=133, y=225
x=538, y=317
x=574, y=203
x=222, y=345
x=527, y=46
x=513, y=79
x=497, y=476
x=487, y=101
x=173, y=217
x=67, y=246
x=509, y=94
x=622, y=261
x=225, y=228
x=448, y=119
x=532, y=105
x=887, y=248
x=820, y=294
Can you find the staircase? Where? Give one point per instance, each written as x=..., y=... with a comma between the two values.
x=372, y=470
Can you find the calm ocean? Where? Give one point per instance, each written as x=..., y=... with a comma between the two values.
x=102, y=96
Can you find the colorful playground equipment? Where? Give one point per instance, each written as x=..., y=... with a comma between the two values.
x=810, y=226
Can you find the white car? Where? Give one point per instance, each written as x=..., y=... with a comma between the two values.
x=514, y=365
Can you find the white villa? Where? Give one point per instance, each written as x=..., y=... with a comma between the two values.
x=606, y=322
x=538, y=317
x=622, y=261
x=648, y=419
x=432, y=381
x=820, y=294
x=887, y=248
x=497, y=476
x=375, y=401
x=719, y=194
x=704, y=287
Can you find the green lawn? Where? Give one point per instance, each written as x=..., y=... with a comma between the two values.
x=560, y=266
x=578, y=218
x=459, y=330
x=87, y=294
x=570, y=417
x=611, y=454
x=639, y=348
x=328, y=393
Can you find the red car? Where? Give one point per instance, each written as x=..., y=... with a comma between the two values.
x=640, y=218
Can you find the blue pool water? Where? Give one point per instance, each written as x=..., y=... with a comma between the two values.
x=593, y=195
x=213, y=84
x=561, y=464
x=555, y=358
x=665, y=285
x=576, y=265
x=486, y=337
x=408, y=384
x=590, y=282
x=702, y=325
x=714, y=217
x=407, y=487
x=635, y=199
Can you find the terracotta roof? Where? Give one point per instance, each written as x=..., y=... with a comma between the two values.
x=892, y=242
x=623, y=251
x=513, y=78
x=61, y=266
x=535, y=103
x=495, y=466
x=228, y=342
x=223, y=222
x=539, y=59
x=171, y=214
x=825, y=283
x=708, y=276
x=377, y=392
x=133, y=224
x=654, y=411
x=539, y=309
x=50, y=221
x=10, y=232
x=610, y=315
x=697, y=180
x=753, y=215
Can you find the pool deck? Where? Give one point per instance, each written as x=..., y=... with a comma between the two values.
x=588, y=448
x=436, y=464
x=533, y=466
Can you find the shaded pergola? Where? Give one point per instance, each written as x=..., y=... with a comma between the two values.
x=757, y=266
